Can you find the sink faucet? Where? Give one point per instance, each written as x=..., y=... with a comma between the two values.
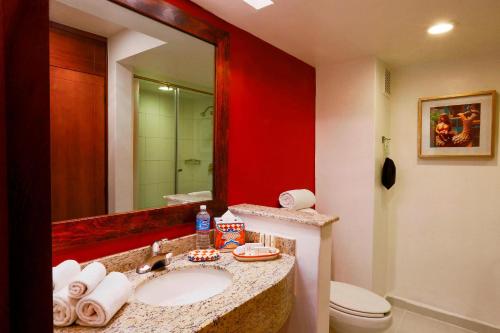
x=156, y=260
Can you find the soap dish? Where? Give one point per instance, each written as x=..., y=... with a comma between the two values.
x=203, y=255
x=248, y=252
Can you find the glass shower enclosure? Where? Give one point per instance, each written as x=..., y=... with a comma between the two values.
x=173, y=144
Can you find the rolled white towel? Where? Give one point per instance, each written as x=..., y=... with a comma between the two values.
x=103, y=303
x=297, y=199
x=87, y=280
x=308, y=210
x=207, y=194
x=63, y=273
x=64, y=308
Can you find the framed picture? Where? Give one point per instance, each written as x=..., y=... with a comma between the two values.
x=456, y=126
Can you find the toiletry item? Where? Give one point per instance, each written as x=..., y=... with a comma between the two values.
x=87, y=280
x=255, y=252
x=267, y=240
x=203, y=229
x=297, y=199
x=203, y=255
x=63, y=308
x=262, y=238
x=229, y=232
x=63, y=273
x=103, y=303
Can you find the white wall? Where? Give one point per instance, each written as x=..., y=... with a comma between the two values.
x=121, y=117
x=380, y=219
x=345, y=109
x=444, y=214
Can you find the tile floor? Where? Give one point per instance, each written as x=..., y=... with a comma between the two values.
x=411, y=322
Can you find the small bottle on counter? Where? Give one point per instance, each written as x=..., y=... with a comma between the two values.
x=203, y=229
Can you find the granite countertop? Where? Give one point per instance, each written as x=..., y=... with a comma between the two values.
x=284, y=214
x=249, y=280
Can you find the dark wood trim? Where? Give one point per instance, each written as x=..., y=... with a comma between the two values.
x=74, y=233
x=27, y=105
x=74, y=31
x=4, y=218
x=163, y=12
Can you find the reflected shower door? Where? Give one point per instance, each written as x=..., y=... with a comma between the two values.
x=155, y=142
x=195, y=142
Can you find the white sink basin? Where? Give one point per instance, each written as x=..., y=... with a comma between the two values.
x=184, y=286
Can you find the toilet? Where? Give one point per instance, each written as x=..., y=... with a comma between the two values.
x=357, y=310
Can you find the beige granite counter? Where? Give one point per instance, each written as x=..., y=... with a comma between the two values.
x=284, y=214
x=259, y=300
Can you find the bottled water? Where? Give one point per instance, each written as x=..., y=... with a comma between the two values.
x=203, y=229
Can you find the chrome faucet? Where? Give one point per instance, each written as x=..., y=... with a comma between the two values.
x=156, y=261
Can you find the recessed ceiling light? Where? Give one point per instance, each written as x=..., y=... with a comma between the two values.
x=259, y=4
x=440, y=28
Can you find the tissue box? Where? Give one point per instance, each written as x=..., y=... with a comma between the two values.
x=229, y=236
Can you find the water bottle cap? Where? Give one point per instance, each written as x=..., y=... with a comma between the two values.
x=203, y=207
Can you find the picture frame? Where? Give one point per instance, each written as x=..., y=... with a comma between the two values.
x=457, y=126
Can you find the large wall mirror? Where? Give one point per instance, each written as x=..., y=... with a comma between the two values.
x=138, y=97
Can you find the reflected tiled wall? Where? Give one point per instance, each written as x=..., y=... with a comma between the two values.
x=155, y=147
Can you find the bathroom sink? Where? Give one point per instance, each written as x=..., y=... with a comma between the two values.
x=184, y=286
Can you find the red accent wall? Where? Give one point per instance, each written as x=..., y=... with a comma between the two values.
x=271, y=120
x=271, y=127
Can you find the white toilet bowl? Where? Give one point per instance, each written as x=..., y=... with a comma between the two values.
x=357, y=310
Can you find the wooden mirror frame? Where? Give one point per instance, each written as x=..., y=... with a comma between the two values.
x=67, y=235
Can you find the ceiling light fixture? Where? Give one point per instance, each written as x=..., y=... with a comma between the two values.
x=259, y=4
x=440, y=28
x=165, y=88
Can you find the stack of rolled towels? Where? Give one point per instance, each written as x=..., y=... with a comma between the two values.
x=88, y=297
x=301, y=200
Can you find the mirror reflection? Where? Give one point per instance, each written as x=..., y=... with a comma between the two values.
x=132, y=112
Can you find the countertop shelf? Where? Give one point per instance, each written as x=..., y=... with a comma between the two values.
x=284, y=214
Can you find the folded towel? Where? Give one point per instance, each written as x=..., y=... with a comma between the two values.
x=201, y=193
x=103, y=303
x=297, y=199
x=63, y=273
x=87, y=280
x=308, y=210
x=63, y=307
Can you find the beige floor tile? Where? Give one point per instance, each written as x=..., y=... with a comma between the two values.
x=397, y=318
x=416, y=323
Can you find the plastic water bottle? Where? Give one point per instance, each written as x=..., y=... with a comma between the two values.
x=203, y=229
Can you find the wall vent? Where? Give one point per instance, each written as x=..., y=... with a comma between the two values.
x=387, y=88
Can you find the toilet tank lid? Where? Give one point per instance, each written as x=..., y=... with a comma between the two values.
x=357, y=299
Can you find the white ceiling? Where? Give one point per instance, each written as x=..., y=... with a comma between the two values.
x=189, y=65
x=64, y=14
x=324, y=31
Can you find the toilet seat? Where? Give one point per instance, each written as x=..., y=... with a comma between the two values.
x=357, y=301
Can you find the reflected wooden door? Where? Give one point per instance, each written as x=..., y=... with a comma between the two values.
x=77, y=107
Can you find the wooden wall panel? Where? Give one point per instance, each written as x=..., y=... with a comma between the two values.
x=77, y=144
x=78, y=123
x=77, y=50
